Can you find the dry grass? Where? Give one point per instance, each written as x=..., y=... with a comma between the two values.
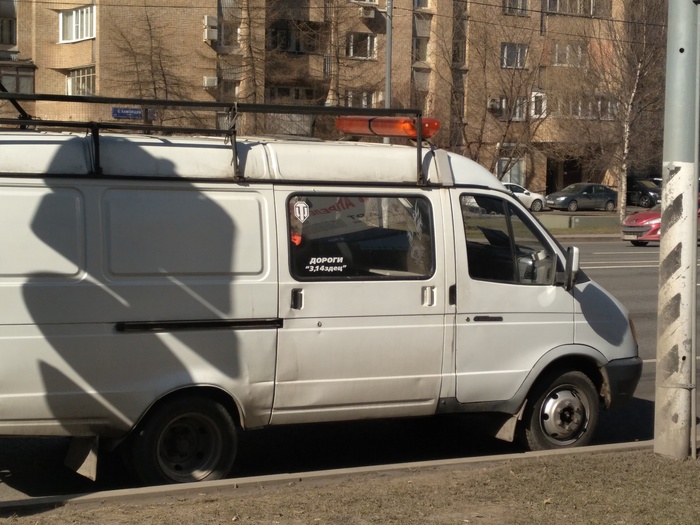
x=635, y=488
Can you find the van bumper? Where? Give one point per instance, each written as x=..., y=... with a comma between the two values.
x=621, y=379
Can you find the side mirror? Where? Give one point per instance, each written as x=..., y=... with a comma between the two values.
x=572, y=267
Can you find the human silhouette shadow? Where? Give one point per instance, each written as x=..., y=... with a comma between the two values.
x=115, y=267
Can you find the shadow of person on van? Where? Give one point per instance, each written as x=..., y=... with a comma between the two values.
x=127, y=296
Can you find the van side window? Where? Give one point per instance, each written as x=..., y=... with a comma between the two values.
x=502, y=245
x=360, y=237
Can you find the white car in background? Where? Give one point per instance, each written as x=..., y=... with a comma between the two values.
x=532, y=200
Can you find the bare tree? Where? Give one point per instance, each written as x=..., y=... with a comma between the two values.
x=627, y=68
x=502, y=113
x=144, y=64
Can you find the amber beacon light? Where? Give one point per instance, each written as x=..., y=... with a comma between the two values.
x=387, y=126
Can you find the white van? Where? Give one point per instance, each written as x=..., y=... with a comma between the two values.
x=161, y=295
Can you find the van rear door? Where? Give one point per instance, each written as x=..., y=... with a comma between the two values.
x=362, y=301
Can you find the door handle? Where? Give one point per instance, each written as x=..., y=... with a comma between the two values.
x=428, y=296
x=488, y=318
x=297, y=299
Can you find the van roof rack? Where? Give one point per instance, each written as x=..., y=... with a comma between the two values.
x=26, y=121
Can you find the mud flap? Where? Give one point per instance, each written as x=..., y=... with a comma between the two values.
x=507, y=430
x=82, y=456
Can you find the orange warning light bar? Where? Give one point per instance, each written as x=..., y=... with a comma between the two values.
x=387, y=126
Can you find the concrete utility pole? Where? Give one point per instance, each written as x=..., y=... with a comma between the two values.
x=389, y=51
x=675, y=348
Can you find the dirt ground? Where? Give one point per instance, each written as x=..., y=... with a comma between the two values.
x=612, y=488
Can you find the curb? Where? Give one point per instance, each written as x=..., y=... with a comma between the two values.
x=204, y=488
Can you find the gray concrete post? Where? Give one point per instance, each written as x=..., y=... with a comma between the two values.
x=675, y=349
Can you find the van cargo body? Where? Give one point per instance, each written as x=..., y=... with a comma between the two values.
x=164, y=303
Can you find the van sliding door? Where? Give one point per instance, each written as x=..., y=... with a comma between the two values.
x=362, y=301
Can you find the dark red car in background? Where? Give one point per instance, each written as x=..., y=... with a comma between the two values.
x=645, y=227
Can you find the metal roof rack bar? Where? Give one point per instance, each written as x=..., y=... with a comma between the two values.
x=25, y=120
x=242, y=107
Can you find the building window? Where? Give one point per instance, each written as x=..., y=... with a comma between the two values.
x=513, y=110
x=361, y=99
x=538, y=105
x=229, y=34
x=229, y=89
x=81, y=81
x=572, y=54
x=602, y=8
x=17, y=79
x=289, y=94
x=511, y=169
x=297, y=37
x=421, y=4
x=77, y=24
x=420, y=49
x=513, y=55
x=596, y=107
x=361, y=45
x=459, y=32
x=596, y=8
x=277, y=39
x=8, y=31
x=421, y=37
x=607, y=107
x=515, y=7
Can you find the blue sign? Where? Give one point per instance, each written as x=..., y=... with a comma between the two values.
x=134, y=113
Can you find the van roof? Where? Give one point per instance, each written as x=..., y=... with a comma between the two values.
x=42, y=153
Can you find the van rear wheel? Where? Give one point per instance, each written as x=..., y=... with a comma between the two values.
x=564, y=412
x=184, y=440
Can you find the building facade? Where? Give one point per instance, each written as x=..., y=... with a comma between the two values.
x=524, y=87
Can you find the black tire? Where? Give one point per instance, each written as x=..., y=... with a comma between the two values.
x=536, y=205
x=184, y=440
x=645, y=201
x=573, y=206
x=564, y=412
x=639, y=243
x=610, y=206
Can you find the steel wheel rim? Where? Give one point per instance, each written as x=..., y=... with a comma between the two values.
x=564, y=416
x=190, y=448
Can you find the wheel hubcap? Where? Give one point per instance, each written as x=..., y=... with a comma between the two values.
x=189, y=448
x=564, y=416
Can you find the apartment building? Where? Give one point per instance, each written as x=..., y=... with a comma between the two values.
x=522, y=86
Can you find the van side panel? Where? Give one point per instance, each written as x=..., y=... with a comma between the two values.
x=114, y=293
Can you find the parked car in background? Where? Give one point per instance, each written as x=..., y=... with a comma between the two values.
x=645, y=227
x=532, y=200
x=583, y=196
x=642, y=192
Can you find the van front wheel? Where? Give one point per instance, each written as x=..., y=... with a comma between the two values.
x=185, y=440
x=564, y=412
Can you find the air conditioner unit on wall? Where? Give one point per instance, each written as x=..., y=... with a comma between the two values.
x=211, y=82
x=210, y=34
x=210, y=21
x=366, y=12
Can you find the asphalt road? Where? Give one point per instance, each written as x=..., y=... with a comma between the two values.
x=33, y=467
